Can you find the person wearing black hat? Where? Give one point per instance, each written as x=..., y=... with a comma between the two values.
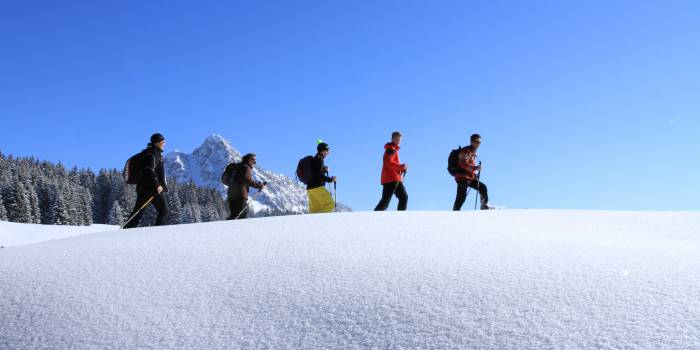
x=152, y=184
x=320, y=200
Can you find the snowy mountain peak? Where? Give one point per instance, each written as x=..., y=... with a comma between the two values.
x=216, y=141
x=207, y=162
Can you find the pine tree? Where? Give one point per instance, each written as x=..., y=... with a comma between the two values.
x=175, y=212
x=34, y=205
x=62, y=214
x=85, y=207
x=3, y=212
x=19, y=208
x=103, y=193
x=188, y=216
x=47, y=202
x=117, y=216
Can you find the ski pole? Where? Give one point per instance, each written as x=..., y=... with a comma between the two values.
x=335, y=196
x=138, y=211
x=247, y=204
x=478, y=190
x=403, y=177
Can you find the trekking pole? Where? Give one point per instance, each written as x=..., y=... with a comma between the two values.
x=247, y=204
x=478, y=181
x=335, y=196
x=138, y=211
x=403, y=177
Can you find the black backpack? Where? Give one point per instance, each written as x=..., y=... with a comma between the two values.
x=133, y=169
x=304, y=170
x=453, y=162
x=229, y=176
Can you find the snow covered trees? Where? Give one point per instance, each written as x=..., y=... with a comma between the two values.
x=41, y=192
x=3, y=212
x=116, y=216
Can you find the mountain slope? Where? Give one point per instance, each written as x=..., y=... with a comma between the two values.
x=205, y=165
x=474, y=280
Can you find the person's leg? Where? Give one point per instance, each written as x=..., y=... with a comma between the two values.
x=231, y=208
x=327, y=200
x=402, y=196
x=484, y=193
x=161, y=205
x=387, y=191
x=141, y=198
x=315, y=200
x=237, y=206
x=461, y=195
x=320, y=201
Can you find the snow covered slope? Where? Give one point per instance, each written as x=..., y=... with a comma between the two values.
x=503, y=279
x=13, y=234
x=205, y=165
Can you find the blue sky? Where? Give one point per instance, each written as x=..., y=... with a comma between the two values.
x=582, y=104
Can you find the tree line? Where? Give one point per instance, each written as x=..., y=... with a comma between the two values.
x=40, y=192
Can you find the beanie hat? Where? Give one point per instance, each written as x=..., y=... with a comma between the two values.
x=155, y=138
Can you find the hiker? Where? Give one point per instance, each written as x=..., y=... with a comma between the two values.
x=392, y=175
x=315, y=175
x=152, y=183
x=239, y=178
x=467, y=177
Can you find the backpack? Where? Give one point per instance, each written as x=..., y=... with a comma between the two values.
x=453, y=162
x=133, y=169
x=304, y=170
x=229, y=176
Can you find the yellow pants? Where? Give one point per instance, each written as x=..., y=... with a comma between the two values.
x=320, y=201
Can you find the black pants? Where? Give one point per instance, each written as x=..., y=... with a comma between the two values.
x=390, y=188
x=462, y=187
x=236, y=206
x=158, y=201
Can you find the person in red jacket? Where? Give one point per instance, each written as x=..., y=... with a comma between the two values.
x=468, y=177
x=392, y=175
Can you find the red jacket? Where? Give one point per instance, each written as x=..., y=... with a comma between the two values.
x=392, y=169
x=467, y=161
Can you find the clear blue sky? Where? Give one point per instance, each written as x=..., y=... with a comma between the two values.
x=582, y=104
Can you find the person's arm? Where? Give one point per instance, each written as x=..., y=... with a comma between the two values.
x=163, y=183
x=469, y=163
x=249, y=179
x=149, y=173
x=393, y=166
x=319, y=171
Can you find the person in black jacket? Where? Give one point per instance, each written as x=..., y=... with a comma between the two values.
x=240, y=186
x=152, y=183
x=320, y=200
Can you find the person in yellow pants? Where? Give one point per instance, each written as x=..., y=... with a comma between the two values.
x=320, y=200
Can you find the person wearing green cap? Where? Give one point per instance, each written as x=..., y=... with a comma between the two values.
x=320, y=199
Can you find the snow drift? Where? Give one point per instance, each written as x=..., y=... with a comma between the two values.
x=12, y=234
x=471, y=280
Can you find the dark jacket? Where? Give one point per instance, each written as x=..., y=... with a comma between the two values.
x=319, y=173
x=242, y=181
x=153, y=172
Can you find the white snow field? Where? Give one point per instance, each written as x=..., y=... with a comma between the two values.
x=13, y=234
x=503, y=279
